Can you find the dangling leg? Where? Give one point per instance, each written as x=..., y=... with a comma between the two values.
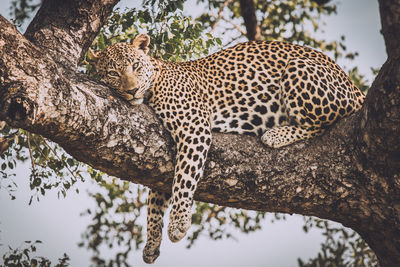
x=157, y=203
x=188, y=171
x=285, y=135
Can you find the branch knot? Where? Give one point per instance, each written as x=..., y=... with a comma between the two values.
x=19, y=109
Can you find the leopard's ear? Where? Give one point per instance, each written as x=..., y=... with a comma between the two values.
x=141, y=42
x=93, y=57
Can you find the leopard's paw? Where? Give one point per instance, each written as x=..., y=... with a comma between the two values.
x=151, y=251
x=177, y=228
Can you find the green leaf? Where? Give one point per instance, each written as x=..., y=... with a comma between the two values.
x=101, y=42
x=67, y=185
x=37, y=182
x=70, y=162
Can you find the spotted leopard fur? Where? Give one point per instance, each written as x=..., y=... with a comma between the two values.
x=279, y=91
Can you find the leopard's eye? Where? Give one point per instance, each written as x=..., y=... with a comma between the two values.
x=135, y=65
x=112, y=73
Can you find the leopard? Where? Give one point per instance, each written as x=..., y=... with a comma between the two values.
x=279, y=91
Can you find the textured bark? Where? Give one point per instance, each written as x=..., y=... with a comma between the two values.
x=248, y=11
x=390, y=19
x=66, y=28
x=349, y=175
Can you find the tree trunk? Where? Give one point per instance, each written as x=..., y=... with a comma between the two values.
x=349, y=175
x=248, y=11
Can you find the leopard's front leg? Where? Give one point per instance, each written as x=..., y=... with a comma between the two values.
x=192, y=153
x=157, y=203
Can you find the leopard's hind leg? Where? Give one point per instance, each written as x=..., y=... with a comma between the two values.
x=157, y=203
x=285, y=135
x=307, y=95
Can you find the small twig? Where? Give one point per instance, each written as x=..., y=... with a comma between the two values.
x=214, y=212
x=65, y=164
x=237, y=27
x=30, y=151
x=220, y=14
x=55, y=154
x=162, y=26
x=233, y=41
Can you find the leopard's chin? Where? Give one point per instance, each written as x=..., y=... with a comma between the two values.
x=136, y=101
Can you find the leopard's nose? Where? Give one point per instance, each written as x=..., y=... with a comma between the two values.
x=128, y=83
x=132, y=91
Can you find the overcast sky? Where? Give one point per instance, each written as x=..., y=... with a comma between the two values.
x=58, y=224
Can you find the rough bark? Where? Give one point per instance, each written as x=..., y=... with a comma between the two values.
x=349, y=175
x=65, y=29
x=390, y=19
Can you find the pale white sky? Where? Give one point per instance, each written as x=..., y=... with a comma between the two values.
x=58, y=224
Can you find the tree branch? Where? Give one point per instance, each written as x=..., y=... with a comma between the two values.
x=220, y=14
x=379, y=141
x=81, y=116
x=66, y=29
x=390, y=19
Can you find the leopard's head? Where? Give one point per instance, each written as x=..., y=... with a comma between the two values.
x=125, y=67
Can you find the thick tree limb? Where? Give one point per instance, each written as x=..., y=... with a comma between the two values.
x=350, y=174
x=390, y=19
x=67, y=28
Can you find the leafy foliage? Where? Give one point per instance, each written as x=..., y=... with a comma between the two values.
x=51, y=167
x=342, y=247
x=22, y=256
x=115, y=220
x=359, y=79
x=216, y=221
x=8, y=159
x=174, y=36
x=21, y=10
x=287, y=20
